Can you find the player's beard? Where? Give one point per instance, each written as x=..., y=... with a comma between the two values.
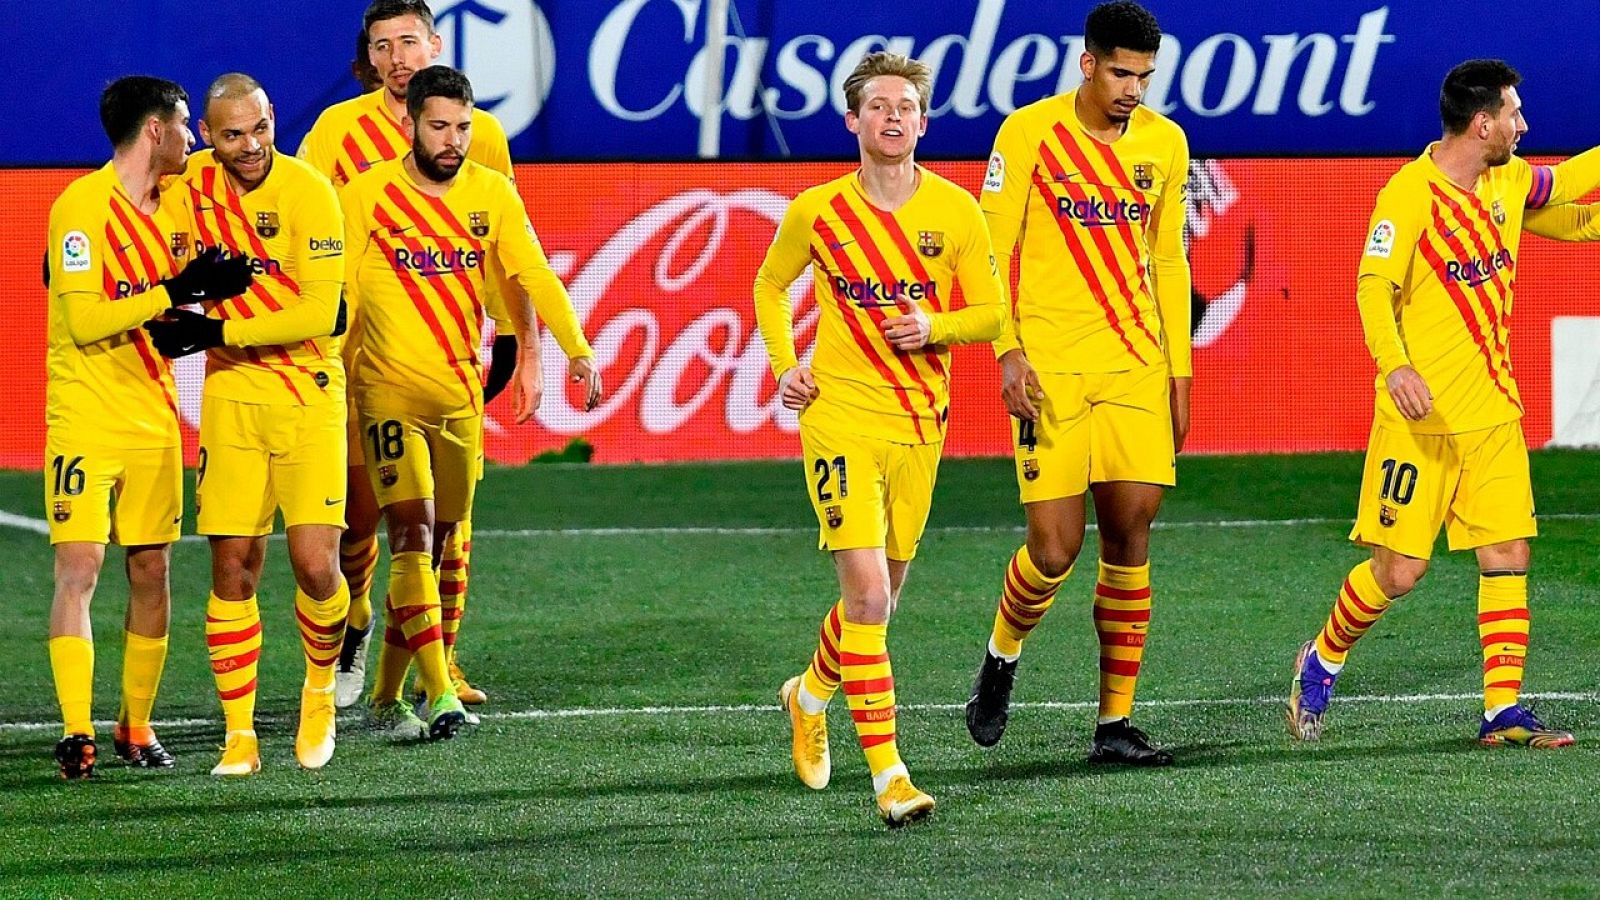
x=430, y=167
x=239, y=177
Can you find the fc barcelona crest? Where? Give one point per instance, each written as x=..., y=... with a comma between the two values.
x=478, y=224
x=1030, y=469
x=930, y=243
x=179, y=244
x=388, y=475
x=1386, y=515
x=61, y=510
x=1498, y=211
x=835, y=516
x=1143, y=178
x=267, y=224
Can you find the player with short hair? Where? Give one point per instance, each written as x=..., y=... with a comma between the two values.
x=1447, y=448
x=1090, y=186
x=272, y=421
x=347, y=139
x=885, y=244
x=119, y=254
x=420, y=234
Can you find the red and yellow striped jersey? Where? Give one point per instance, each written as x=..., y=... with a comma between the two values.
x=1452, y=253
x=357, y=134
x=279, y=348
x=866, y=265
x=108, y=387
x=420, y=261
x=1104, y=283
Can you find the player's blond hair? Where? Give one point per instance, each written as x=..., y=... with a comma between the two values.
x=885, y=63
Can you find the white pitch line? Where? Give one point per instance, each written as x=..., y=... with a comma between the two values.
x=714, y=710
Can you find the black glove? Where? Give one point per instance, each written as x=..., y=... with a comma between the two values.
x=502, y=363
x=210, y=276
x=181, y=332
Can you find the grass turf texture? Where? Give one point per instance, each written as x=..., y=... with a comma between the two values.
x=1397, y=795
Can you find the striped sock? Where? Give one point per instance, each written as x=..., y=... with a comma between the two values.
x=233, y=640
x=321, y=633
x=869, y=687
x=1503, y=631
x=394, y=657
x=359, y=562
x=1025, y=596
x=822, y=675
x=142, y=661
x=72, y=664
x=453, y=570
x=415, y=593
x=1360, y=604
x=1121, y=620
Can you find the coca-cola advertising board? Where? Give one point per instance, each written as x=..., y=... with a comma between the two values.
x=660, y=258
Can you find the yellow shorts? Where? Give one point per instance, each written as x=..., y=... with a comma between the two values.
x=100, y=495
x=1475, y=484
x=415, y=457
x=1096, y=427
x=256, y=458
x=869, y=492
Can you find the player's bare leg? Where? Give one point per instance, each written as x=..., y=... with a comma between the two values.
x=322, y=601
x=145, y=629
x=414, y=546
x=869, y=597
x=358, y=560
x=1122, y=601
x=1055, y=537
x=233, y=639
x=77, y=571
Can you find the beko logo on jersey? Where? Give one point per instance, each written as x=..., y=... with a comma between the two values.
x=871, y=292
x=329, y=245
x=433, y=261
x=1474, y=272
x=1096, y=213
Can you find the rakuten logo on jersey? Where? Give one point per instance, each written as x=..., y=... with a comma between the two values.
x=873, y=293
x=258, y=266
x=126, y=289
x=794, y=77
x=1474, y=272
x=1097, y=213
x=432, y=261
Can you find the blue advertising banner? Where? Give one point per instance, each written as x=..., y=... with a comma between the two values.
x=627, y=79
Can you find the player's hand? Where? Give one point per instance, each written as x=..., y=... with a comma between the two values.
x=582, y=371
x=1410, y=393
x=910, y=330
x=527, y=388
x=180, y=332
x=210, y=276
x=503, y=362
x=1180, y=411
x=1019, y=386
x=797, y=388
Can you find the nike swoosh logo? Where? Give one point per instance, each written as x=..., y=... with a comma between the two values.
x=400, y=230
x=839, y=245
x=871, y=702
x=122, y=247
x=332, y=502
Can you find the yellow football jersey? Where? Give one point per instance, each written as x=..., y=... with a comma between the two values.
x=420, y=263
x=280, y=348
x=108, y=387
x=1104, y=284
x=865, y=265
x=352, y=137
x=1452, y=254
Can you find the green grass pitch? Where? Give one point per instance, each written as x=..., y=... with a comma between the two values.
x=631, y=746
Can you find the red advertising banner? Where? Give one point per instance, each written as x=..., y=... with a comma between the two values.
x=660, y=259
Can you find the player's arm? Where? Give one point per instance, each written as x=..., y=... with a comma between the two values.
x=314, y=148
x=496, y=146
x=317, y=224
x=979, y=321
x=1565, y=182
x=1170, y=278
x=786, y=259
x=1392, y=238
x=1004, y=200
x=525, y=263
x=357, y=237
x=1567, y=222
